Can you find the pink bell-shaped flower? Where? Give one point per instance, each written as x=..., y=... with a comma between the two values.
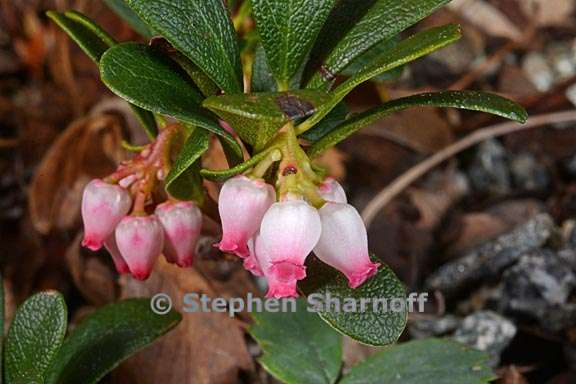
x=182, y=222
x=119, y=262
x=344, y=243
x=288, y=233
x=103, y=206
x=331, y=190
x=140, y=240
x=242, y=204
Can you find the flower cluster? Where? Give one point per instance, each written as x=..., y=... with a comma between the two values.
x=118, y=214
x=274, y=238
x=271, y=227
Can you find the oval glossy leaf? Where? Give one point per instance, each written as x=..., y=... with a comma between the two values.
x=256, y=117
x=470, y=100
x=106, y=338
x=422, y=362
x=121, y=9
x=34, y=338
x=94, y=41
x=154, y=82
x=298, y=347
x=201, y=30
x=225, y=174
x=374, y=325
x=407, y=50
x=184, y=181
x=344, y=38
x=288, y=30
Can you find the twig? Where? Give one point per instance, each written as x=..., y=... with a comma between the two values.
x=406, y=179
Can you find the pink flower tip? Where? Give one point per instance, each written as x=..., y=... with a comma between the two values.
x=282, y=279
x=141, y=275
x=92, y=243
x=358, y=278
x=230, y=246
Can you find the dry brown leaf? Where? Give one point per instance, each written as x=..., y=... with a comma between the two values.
x=90, y=147
x=421, y=129
x=93, y=278
x=487, y=17
x=550, y=12
x=205, y=348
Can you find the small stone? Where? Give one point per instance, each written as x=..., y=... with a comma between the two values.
x=489, y=171
x=539, y=287
x=433, y=327
x=528, y=174
x=538, y=71
x=486, y=331
x=490, y=259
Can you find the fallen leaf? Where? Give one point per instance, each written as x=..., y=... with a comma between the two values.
x=205, y=348
x=90, y=147
x=486, y=17
x=92, y=276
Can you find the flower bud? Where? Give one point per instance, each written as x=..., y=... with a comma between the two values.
x=119, y=262
x=331, y=190
x=344, y=243
x=103, y=206
x=288, y=233
x=140, y=240
x=242, y=204
x=182, y=223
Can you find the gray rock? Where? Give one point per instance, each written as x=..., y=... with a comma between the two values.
x=528, y=174
x=433, y=327
x=539, y=288
x=491, y=258
x=486, y=331
x=489, y=171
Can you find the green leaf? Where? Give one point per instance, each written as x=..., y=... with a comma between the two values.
x=262, y=77
x=383, y=20
x=202, y=31
x=421, y=362
x=202, y=81
x=376, y=53
x=89, y=36
x=94, y=41
x=256, y=117
x=106, y=338
x=288, y=30
x=154, y=82
x=471, y=100
x=374, y=325
x=34, y=338
x=1, y=327
x=184, y=181
x=225, y=174
x=406, y=51
x=332, y=120
x=121, y=9
x=298, y=347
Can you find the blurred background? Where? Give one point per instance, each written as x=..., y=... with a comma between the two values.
x=490, y=233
